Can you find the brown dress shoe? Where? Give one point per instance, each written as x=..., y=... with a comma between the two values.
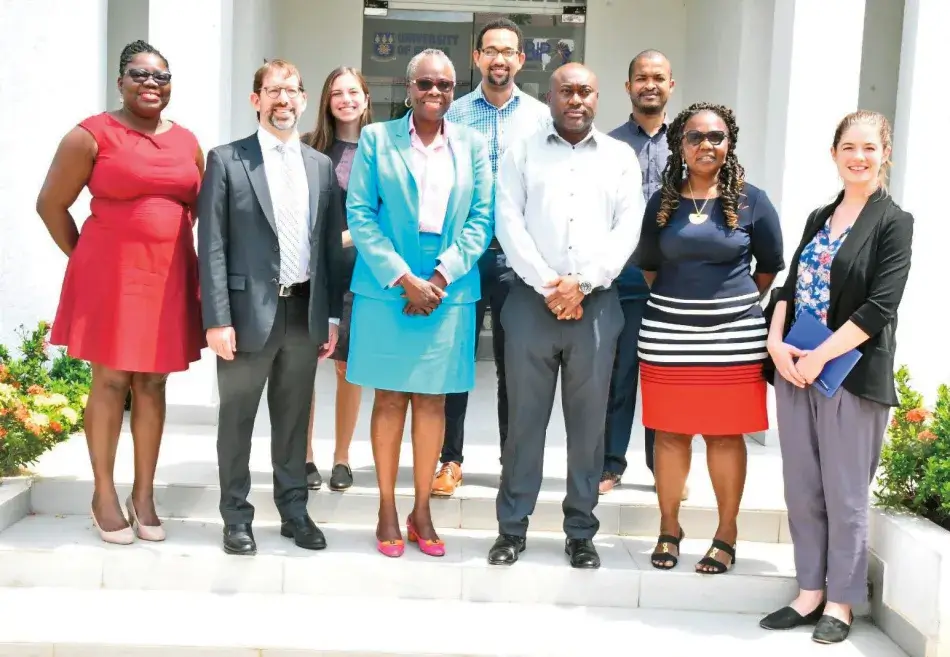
x=447, y=480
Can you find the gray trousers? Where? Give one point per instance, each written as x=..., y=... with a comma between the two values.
x=287, y=363
x=830, y=452
x=537, y=346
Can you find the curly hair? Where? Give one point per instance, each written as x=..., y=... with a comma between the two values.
x=731, y=175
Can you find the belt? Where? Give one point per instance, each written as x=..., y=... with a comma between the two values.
x=295, y=290
x=494, y=245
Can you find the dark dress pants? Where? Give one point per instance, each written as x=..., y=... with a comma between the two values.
x=287, y=363
x=496, y=278
x=623, y=393
x=538, y=348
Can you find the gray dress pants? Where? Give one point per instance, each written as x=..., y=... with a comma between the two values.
x=830, y=452
x=537, y=347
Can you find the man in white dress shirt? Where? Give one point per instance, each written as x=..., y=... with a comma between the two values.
x=568, y=215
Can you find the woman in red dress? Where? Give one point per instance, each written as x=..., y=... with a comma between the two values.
x=129, y=302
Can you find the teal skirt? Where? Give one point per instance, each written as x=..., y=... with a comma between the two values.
x=431, y=355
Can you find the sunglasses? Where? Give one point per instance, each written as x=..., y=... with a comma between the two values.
x=714, y=137
x=140, y=75
x=426, y=84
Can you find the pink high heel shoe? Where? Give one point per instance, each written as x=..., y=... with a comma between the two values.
x=434, y=548
x=391, y=549
x=124, y=536
x=145, y=532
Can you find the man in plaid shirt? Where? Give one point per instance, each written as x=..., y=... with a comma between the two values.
x=503, y=114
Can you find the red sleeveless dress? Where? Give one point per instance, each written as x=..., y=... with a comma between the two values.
x=130, y=297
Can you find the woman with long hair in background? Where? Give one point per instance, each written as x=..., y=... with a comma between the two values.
x=343, y=113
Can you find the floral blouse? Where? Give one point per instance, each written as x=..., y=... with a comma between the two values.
x=813, y=288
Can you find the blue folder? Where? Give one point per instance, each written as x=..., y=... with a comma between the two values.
x=808, y=333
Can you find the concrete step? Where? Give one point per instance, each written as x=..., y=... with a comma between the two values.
x=102, y=623
x=51, y=551
x=630, y=511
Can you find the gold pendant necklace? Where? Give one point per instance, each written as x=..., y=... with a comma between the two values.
x=699, y=216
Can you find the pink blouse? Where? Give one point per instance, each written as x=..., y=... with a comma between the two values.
x=434, y=169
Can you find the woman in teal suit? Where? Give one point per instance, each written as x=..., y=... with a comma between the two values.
x=419, y=209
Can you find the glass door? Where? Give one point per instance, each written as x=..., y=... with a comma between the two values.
x=390, y=42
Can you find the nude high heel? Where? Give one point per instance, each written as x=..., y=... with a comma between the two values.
x=124, y=536
x=145, y=532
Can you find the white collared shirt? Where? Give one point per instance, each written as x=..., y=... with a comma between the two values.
x=434, y=169
x=273, y=170
x=568, y=210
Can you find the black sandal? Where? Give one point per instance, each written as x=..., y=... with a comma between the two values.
x=663, y=555
x=709, y=561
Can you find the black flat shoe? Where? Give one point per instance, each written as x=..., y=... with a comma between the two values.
x=831, y=630
x=787, y=618
x=506, y=549
x=239, y=540
x=314, y=479
x=305, y=533
x=341, y=477
x=582, y=552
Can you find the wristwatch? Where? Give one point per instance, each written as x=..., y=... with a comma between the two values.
x=586, y=287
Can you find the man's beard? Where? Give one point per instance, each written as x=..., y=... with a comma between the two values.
x=649, y=109
x=283, y=124
x=503, y=82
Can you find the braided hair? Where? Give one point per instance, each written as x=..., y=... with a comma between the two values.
x=137, y=48
x=731, y=175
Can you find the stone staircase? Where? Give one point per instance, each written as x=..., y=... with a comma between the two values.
x=64, y=592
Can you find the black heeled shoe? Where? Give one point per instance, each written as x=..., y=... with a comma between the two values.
x=787, y=618
x=710, y=561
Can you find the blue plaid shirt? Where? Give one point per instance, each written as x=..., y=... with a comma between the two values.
x=521, y=116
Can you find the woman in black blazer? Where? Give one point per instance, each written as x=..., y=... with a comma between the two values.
x=849, y=272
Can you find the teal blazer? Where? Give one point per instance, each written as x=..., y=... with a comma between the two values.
x=382, y=209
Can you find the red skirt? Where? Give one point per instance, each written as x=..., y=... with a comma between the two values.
x=713, y=401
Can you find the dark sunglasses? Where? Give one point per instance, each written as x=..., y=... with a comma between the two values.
x=140, y=75
x=426, y=84
x=714, y=137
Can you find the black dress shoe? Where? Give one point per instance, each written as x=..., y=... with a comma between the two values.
x=582, y=552
x=787, y=618
x=831, y=630
x=239, y=539
x=305, y=533
x=506, y=549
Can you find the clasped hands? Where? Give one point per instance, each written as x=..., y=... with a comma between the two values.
x=797, y=366
x=423, y=296
x=565, y=301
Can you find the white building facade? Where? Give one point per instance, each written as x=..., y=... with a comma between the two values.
x=789, y=68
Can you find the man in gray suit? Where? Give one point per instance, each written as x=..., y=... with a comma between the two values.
x=270, y=217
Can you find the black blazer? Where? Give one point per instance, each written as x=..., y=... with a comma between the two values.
x=868, y=276
x=239, y=258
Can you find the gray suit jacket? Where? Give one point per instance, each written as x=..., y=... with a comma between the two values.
x=237, y=244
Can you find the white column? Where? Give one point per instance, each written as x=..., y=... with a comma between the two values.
x=917, y=188
x=814, y=82
x=196, y=37
x=40, y=42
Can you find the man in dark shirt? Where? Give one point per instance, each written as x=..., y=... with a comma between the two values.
x=649, y=84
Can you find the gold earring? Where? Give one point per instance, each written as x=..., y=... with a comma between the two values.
x=407, y=102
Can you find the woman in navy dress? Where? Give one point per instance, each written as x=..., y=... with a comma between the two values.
x=703, y=338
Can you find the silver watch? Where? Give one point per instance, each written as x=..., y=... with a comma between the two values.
x=586, y=287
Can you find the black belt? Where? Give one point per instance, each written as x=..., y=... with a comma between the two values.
x=494, y=245
x=295, y=290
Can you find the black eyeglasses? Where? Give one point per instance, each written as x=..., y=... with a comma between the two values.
x=140, y=75
x=714, y=137
x=426, y=84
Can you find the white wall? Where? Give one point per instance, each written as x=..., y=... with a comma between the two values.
x=33, y=120
x=880, y=61
x=127, y=22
